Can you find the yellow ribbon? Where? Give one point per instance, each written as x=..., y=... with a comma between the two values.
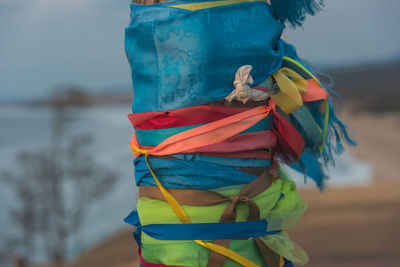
x=137, y=150
x=210, y=4
x=291, y=84
x=281, y=261
x=302, y=67
x=326, y=124
x=181, y=214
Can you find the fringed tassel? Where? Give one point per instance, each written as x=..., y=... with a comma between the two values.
x=311, y=167
x=295, y=11
x=336, y=133
x=313, y=162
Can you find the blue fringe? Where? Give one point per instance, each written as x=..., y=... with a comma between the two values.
x=312, y=161
x=295, y=11
x=337, y=132
x=311, y=167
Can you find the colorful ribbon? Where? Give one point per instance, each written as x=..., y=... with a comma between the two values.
x=289, y=97
x=209, y=134
x=207, y=231
x=210, y=4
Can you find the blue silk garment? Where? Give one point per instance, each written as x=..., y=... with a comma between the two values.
x=181, y=58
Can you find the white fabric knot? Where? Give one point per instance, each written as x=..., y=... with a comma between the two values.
x=242, y=91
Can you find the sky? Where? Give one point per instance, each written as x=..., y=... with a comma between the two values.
x=50, y=43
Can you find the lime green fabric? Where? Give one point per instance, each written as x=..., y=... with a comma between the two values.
x=288, y=211
x=191, y=254
x=280, y=204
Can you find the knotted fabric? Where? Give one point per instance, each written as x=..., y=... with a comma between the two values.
x=291, y=84
x=193, y=197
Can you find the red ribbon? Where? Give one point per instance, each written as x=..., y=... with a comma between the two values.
x=290, y=142
x=182, y=117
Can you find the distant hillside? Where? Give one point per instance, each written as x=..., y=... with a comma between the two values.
x=371, y=87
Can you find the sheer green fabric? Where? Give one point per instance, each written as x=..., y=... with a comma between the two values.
x=280, y=204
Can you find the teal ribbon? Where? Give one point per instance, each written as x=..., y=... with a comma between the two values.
x=313, y=132
x=155, y=137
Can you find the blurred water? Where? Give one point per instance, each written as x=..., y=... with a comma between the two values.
x=28, y=128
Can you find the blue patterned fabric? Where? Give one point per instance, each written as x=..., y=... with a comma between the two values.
x=195, y=174
x=185, y=58
x=225, y=161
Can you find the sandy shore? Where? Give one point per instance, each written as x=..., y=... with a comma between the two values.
x=354, y=226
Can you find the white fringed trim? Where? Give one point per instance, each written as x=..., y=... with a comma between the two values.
x=242, y=91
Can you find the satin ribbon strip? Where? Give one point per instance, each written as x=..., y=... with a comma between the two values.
x=182, y=117
x=208, y=231
x=314, y=92
x=263, y=153
x=291, y=84
x=326, y=125
x=209, y=134
x=210, y=4
x=299, y=68
x=290, y=142
x=313, y=132
x=240, y=143
x=180, y=213
x=157, y=136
